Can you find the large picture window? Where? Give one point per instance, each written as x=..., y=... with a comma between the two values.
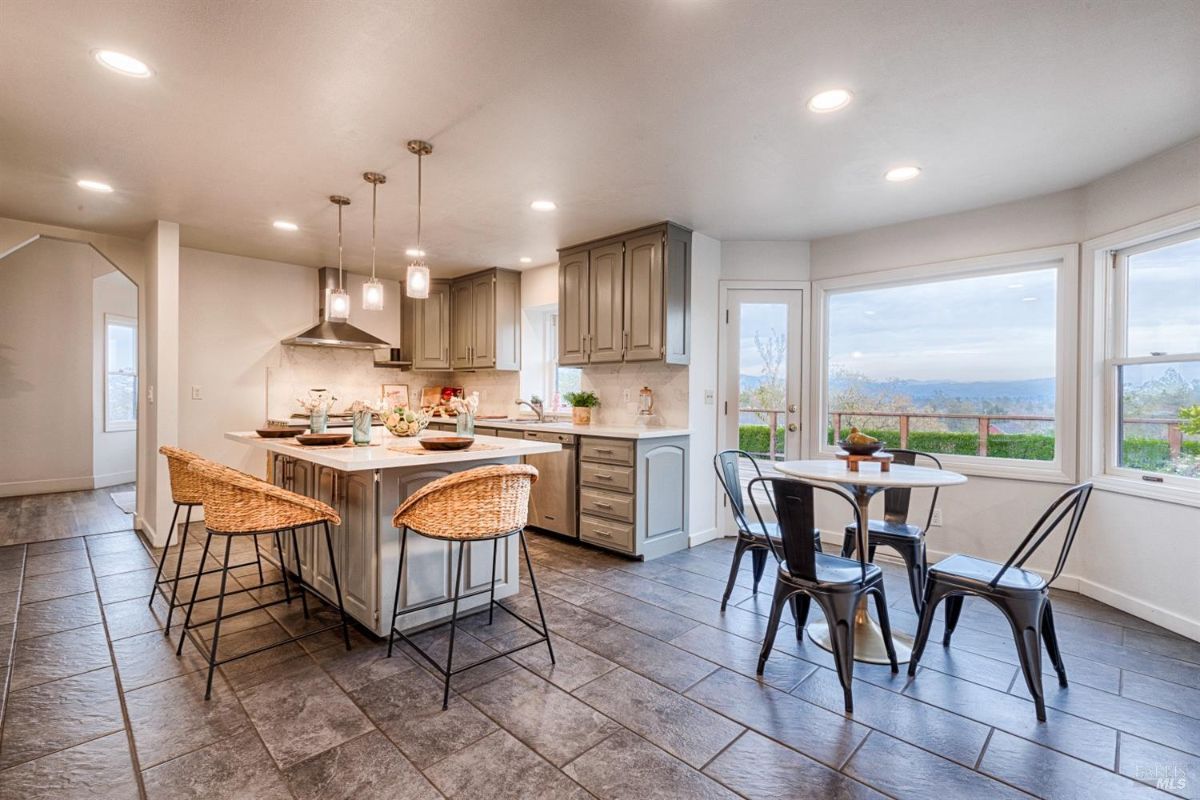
x=963, y=360
x=120, y=373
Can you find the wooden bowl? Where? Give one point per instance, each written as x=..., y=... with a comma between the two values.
x=280, y=432
x=446, y=442
x=322, y=439
x=861, y=449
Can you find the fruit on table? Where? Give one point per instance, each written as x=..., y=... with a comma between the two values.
x=858, y=437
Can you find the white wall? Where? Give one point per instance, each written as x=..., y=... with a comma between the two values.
x=114, y=453
x=765, y=260
x=707, y=260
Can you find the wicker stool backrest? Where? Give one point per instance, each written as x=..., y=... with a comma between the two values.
x=476, y=504
x=185, y=485
x=235, y=502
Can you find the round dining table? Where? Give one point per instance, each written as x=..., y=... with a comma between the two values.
x=862, y=485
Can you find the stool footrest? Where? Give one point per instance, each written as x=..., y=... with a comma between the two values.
x=442, y=670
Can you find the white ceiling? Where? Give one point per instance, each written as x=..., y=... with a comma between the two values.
x=624, y=113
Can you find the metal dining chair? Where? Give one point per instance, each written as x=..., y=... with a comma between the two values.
x=836, y=584
x=894, y=530
x=1022, y=595
x=754, y=537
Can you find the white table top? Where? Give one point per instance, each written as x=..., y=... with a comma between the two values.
x=869, y=474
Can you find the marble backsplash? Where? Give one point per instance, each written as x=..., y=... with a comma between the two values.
x=611, y=382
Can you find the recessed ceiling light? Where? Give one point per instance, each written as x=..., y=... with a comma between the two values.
x=284, y=225
x=526, y=260
x=1016, y=286
x=413, y=252
x=94, y=186
x=126, y=65
x=830, y=100
x=897, y=174
x=543, y=205
x=1028, y=299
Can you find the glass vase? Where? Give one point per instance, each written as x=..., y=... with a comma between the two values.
x=464, y=425
x=362, y=428
x=318, y=421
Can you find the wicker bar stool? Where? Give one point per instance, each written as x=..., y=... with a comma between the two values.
x=236, y=504
x=476, y=505
x=185, y=493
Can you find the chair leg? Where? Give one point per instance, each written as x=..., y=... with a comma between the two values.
x=337, y=586
x=183, y=537
x=839, y=612
x=758, y=558
x=800, y=606
x=885, y=628
x=914, y=564
x=195, y=588
x=299, y=572
x=212, y=656
x=537, y=598
x=163, y=558
x=848, y=545
x=492, y=594
x=954, y=605
x=817, y=541
x=258, y=558
x=778, y=598
x=1024, y=619
x=871, y=552
x=462, y=546
x=1051, y=639
x=399, y=579
x=933, y=596
x=738, y=550
x=287, y=592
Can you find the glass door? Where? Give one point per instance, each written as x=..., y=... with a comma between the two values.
x=761, y=401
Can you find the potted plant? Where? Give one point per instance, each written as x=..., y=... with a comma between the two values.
x=581, y=404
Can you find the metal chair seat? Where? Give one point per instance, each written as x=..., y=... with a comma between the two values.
x=970, y=572
x=833, y=571
x=881, y=531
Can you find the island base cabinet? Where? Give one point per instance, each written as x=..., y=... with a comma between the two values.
x=366, y=547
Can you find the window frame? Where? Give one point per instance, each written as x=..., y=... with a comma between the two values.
x=111, y=425
x=1108, y=280
x=1065, y=260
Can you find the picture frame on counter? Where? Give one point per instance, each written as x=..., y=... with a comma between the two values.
x=396, y=394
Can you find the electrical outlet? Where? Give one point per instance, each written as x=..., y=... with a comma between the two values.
x=710, y=397
x=625, y=396
x=197, y=394
x=936, y=520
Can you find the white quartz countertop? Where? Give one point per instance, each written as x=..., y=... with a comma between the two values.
x=378, y=454
x=609, y=431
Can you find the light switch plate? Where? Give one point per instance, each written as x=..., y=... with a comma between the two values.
x=710, y=397
x=936, y=520
x=197, y=394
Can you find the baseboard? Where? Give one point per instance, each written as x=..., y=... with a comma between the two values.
x=46, y=486
x=699, y=538
x=1141, y=609
x=114, y=479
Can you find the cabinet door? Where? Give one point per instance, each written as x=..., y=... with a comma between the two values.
x=304, y=481
x=506, y=351
x=355, y=545
x=573, y=308
x=328, y=491
x=462, y=310
x=431, y=328
x=644, y=298
x=483, y=322
x=606, y=289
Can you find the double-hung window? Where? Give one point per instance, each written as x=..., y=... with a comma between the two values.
x=1152, y=375
x=120, y=373
x=971, y=360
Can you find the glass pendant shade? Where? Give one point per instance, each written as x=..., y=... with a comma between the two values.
x=337, y=306
x=416, y=281
x=372, y=295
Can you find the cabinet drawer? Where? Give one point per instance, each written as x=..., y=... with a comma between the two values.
x=603, y=476
x=550, y=436
x=610, y=451
x=605, y=533
x=606, y=504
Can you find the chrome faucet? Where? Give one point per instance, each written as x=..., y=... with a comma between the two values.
x=536, y=405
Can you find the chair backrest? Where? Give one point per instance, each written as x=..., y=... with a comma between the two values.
x=728, y=466
x=1072, y=502
x=794, y=508
x=235, y=502
x=185, y=485
x=475, y=504
x=896, y=501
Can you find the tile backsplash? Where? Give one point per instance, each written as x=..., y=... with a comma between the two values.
x=611, y=382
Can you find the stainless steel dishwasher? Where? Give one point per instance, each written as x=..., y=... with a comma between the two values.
x=553, y=499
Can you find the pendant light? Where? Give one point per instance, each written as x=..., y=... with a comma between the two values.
x=416, y=280
x=337, y=301
x=373, y=289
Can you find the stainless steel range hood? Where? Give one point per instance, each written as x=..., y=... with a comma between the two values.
x=334, y=334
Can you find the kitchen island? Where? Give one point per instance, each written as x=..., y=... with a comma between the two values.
x=365, y=485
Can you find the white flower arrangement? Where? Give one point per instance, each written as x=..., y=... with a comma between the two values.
x=318, y=400
x=468, y=405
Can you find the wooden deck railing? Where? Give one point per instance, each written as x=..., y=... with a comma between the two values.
x=984, y=422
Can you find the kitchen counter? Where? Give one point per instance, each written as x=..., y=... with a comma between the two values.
x=609, y=431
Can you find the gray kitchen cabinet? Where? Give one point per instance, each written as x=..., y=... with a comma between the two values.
x=633, y=494
x=485, y=329
x=573, y=317
x=626, y=298
x=426, y=325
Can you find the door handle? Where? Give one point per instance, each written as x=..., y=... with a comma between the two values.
x=792, y=426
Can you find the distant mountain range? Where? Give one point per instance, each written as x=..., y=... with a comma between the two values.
x=1031, y=390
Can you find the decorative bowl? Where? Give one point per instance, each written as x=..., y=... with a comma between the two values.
x=871, y=448
x=280, y=431
x=404, y=421
x=323, y=439
x=446, y=442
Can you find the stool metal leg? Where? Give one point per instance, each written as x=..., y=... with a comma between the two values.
x=399, y=578
x=183, y=537
x=453, y=626
x=492, y=595
x=336, y=585
x=163, y=558
x=537, y=597
x=195, y=588
x=258, y=558
x=299, y=573
x=287, y=593
x=212, y=656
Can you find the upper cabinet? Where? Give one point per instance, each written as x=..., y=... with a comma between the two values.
x=625, y=298
x=485, y=320
x=425, y=328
